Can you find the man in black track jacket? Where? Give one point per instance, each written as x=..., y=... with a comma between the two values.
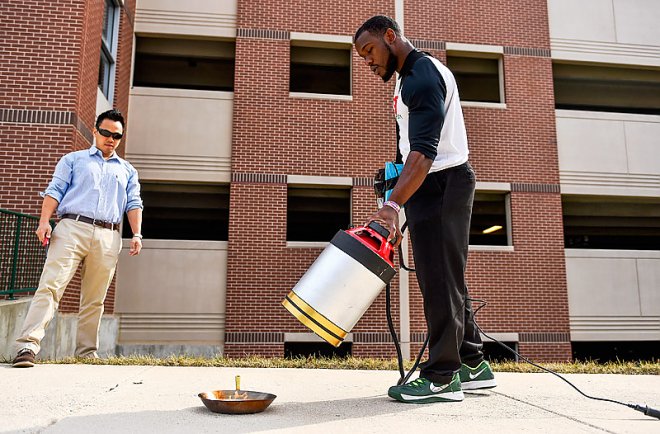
x=436, y=187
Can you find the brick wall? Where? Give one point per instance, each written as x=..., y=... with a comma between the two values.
x=276, y=134
x=520, y=23
x=526, y=289
x=48, y=90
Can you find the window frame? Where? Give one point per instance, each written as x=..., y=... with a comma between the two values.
x=318, y=182
x=317, y=40
x=478, y=51
x=503, y=188
x=150, y=186
x=178, y=39
x=109, y=50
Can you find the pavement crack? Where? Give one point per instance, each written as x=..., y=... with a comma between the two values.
x=581, y=422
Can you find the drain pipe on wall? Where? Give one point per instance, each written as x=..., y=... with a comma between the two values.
x=404, y=297
x=404, y=276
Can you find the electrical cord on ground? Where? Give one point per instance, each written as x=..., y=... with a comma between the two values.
x=644, y=409
x=404, y=377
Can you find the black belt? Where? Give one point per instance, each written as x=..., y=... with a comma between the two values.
x=91, y=221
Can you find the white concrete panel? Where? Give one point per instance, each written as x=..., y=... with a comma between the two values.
x=477, y=48
x=319, y=37
x=173, y=280
x=615, y=328
x=608, y=31
x=178, y=134
x=637, y=21
x=319, y=180
x=210, y=18
x=591, y=20
x=643, y=144
x=176, y=122
x=173, y=292
x=608, y=153
x=602, y=287
x=649, y=286
x=592, y=145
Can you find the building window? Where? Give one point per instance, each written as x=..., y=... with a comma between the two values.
x=184, y=63
x=109, y=49
x=479, y=79
x=490, y=224
x=184, y=212
x=608, y=222
x=320, y=70
x=606, y=88
x=316, y=213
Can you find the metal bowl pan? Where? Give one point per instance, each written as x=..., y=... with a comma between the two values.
x=219, y=401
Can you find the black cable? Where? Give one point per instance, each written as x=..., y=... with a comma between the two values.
x=644, y=409
x=404, y=377
x=403, y=265
x=390, y=324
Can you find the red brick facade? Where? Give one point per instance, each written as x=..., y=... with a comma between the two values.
x=49, y=70
x=526, y=288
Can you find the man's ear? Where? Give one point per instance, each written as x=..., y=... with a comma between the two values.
x=389, y=36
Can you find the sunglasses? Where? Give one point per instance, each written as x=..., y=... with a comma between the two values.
x=106, y=133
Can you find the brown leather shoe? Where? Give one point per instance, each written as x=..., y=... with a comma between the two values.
x=24, y=359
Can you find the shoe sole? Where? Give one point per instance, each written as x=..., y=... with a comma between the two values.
x=482, y=384
x=444, y=397
x=24, y=364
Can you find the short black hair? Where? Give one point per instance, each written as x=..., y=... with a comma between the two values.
x=378, y=25
x=113, y=115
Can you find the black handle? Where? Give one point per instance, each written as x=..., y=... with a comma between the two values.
x=379, y=229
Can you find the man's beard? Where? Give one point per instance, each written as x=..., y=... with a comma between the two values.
x=390, y=68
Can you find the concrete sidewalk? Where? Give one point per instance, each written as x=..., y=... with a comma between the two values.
x=136, y=399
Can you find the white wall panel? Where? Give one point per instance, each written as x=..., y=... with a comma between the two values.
x=609, y=31
x=613, y=294
x=601, y=286
x=180, y=135
x=590, y=20
x=174, y=291
x=637, y=21
x=608, y=153
x=649, y=286
x=211, y=18
x=643, y=147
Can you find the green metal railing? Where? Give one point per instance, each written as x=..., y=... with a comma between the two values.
x=21, y=254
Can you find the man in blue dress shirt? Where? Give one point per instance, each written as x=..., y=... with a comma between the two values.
x=90, y=190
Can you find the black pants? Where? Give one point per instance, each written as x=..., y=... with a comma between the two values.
x=438, y=216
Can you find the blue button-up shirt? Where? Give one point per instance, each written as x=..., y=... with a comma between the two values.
x=85, y=183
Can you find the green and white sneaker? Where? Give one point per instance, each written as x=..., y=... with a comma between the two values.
x=480, y=377
x=422, y=391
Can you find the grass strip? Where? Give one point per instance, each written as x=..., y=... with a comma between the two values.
x=589, y=367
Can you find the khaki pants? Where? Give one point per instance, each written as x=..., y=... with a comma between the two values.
x=72, y=242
